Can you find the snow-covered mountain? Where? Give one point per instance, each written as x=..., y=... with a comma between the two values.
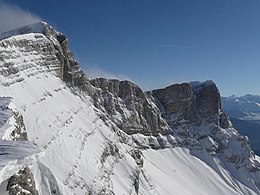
x=103, y=136
x=244, y=112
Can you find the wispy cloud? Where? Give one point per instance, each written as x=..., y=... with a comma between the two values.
x=12, y=17
x=177, y=46
x=95, y=71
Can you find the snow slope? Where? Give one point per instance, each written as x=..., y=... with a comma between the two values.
x=191, y=172
x=180, y=176
x=84, y=154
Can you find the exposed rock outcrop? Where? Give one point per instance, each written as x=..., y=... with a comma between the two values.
x=177, y=104
x=127, y=105
x=193, y=110
x=188, y=103
x=22, y=183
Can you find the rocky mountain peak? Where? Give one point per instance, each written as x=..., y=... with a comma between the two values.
x=189, y=102
x=38, y=27
x=208, y=102
x=49, y=48
x=123, y=89
x=127, y=105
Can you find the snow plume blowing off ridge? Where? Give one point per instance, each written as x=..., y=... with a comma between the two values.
x=12, y=16
x=95, y=71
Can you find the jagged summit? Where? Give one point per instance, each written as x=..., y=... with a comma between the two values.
x=51, y=53
x=38, y=27
x=196, y=84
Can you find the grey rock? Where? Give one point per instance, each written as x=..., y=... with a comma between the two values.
x=177, y=103
x=208, y=103
x=224, y=121
x=22, y=183
x=127, y=105
x=187, y=104
x=193, y=111
x=137, y=155
x=20, y=129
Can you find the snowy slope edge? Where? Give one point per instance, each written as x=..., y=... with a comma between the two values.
x=17, y=154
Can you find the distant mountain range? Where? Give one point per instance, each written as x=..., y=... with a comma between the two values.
x=244, y=112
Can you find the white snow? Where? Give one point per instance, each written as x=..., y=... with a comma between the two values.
x=180, y=171
x=176, y=171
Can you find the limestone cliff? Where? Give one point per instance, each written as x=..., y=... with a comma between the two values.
x=127, y=105
x=193, y=110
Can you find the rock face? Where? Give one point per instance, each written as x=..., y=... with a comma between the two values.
x=22, y=183
x=188, y=103
x=193, y=110
x=177, y=104
x=19, y=133
x=208, y=103
x=126, y=105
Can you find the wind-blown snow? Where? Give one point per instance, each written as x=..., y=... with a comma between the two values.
x=32, y=28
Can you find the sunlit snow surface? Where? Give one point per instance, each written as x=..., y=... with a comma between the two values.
x=179, y=171
x=73, y=141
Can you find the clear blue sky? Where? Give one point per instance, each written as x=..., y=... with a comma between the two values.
x=159, y=42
